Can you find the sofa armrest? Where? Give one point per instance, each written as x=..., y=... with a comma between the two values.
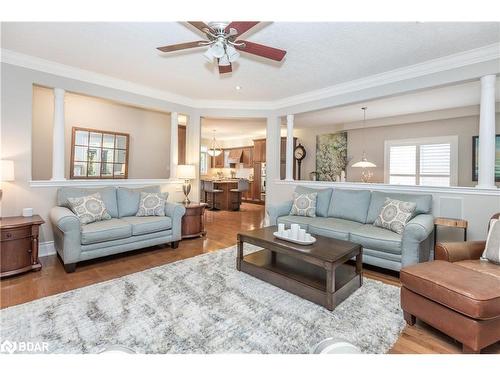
x=276, y=210
x=175, y=211
x=67, y=233
x=457, y=251
x=417, y=231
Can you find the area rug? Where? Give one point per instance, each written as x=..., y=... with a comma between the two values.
x=202, y=305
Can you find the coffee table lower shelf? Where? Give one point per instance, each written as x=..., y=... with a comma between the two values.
x=300, y=278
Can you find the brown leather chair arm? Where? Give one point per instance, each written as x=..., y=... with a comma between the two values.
x=457, y=251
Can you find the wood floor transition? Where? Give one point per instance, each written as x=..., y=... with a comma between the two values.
x=222, y=227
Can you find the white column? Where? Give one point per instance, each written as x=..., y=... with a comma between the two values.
x=174, y=144
x=193, y=144
x=486, y=173
x=273, y=145
x=58, y=139
x=289, y=148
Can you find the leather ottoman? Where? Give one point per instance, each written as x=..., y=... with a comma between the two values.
x=457, y=299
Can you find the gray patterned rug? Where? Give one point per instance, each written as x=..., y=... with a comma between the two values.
x=202, y=305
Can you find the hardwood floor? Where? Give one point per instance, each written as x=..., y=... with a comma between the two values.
x=222, y=227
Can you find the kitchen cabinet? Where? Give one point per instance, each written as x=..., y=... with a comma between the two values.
x=218, y=161
x=259, y=150
x=247, y=157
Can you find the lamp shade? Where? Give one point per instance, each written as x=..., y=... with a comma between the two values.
x=7, y=170
x=186, y=171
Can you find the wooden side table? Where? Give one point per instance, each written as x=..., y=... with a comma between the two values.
x=193, y=221
x=450, y=223
x=19, y=244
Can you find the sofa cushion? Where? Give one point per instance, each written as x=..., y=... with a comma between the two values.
x=322, y=200
x=423, y=201
x=152, y=204
x=128, y=199
x=394, y=215
x=333, y=227
x=482, y=266
x=492, y=249
x=377, y=238
x=89, y=209
x=350, y=204
x=303, y=221
x=108, y=196
x=107, y=230
x=467, y=291
x=304, y=204
x=148, y=224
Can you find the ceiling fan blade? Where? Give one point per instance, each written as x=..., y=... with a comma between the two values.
x=225, y=69
x=261, y=50
x=177, y=47
x=200, y=25
x=241, y=26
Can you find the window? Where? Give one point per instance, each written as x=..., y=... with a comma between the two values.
x=203, y=161
x=96, y=154
x=425, y=161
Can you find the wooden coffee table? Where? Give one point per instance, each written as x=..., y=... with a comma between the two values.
x=319, y=273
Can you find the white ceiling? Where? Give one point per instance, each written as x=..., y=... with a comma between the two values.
x=233, y=128
x=319, y=54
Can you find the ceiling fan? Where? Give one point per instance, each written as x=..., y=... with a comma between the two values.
x=224, y=42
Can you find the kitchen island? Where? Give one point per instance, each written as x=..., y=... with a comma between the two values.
x=224, y=201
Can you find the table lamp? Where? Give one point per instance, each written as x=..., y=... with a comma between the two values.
x=7, y=170
x=187, y=173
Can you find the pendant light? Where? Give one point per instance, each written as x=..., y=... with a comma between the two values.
x=364, y=163
x=214, y=149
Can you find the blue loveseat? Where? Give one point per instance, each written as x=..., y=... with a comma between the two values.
x=124, y=232
x=349, y=215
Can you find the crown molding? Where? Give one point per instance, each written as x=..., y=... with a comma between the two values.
x=458, y=60
x=67, y=71
x=442, y=64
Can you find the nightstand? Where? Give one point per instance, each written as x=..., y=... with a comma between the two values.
x=19, y=244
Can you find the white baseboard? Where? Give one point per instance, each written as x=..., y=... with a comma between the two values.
x=46, y=249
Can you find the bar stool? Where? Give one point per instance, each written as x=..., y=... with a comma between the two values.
x=243, y=186
x=209, y=187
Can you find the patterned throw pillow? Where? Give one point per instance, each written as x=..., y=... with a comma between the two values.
x=304, y=204
x=395, y=214
x=89, y=209
x=492, y=249
x=152, y=204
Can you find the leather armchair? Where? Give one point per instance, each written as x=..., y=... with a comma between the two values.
x=459, y=251
x=458, y=293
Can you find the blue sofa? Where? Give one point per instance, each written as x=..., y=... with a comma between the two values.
x=349, y=215
x=124, y=232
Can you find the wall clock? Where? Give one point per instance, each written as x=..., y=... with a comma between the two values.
x=299, y=153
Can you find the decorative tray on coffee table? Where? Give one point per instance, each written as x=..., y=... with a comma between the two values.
x=297, y=241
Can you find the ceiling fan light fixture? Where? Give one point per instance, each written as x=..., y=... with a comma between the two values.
x=224, y=61
x=232, y=53
x=218, y=49
x=209, y=56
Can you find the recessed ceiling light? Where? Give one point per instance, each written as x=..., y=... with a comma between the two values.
x=238, y=88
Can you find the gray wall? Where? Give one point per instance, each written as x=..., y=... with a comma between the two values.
x=149, y=151
x=372, y=140
x=16, y=136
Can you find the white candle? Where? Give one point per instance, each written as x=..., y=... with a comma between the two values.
x=302, y=233
x=295, y=231
x=281, y=229
x=308, y=237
